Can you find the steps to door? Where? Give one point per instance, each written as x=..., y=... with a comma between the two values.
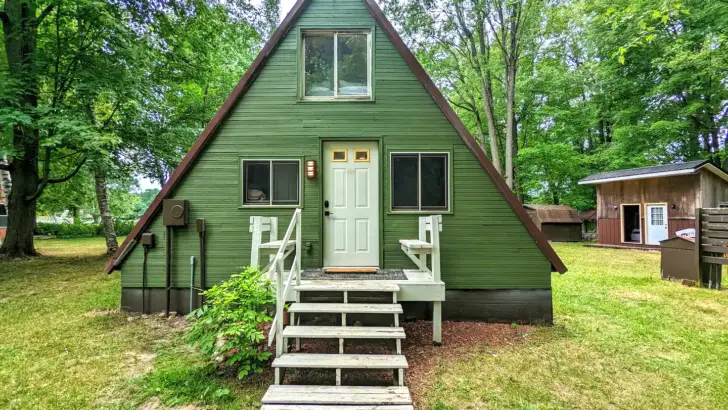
x=293, y=397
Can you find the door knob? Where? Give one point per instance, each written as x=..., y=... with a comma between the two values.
x=327, y=213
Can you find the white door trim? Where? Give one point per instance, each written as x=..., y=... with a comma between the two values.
x=621, y=224
x=648, y=221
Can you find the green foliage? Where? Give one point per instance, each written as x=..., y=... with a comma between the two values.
x=81, y=230
x=228, y=328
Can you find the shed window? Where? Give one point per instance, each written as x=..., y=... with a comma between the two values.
x=271, y=182
x=337, y=65
x=420, y=182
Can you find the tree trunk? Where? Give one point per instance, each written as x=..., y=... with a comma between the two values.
x=490, y=119
x=19, y=28
x=511, y=132
x=107, y=221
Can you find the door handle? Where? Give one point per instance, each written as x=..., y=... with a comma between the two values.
x=327, y=213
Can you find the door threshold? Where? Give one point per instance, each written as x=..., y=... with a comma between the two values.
x=357, y=269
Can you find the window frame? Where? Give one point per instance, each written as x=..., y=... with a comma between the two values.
x=336, y=31
x=448, y=182
x=270, y=203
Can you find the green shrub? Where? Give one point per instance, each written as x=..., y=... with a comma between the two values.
x=81, y=230
x=228, y=328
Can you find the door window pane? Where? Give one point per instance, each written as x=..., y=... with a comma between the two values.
x=404, y=181
x=256, y=182
x=319, y=65
x=285, y=183
x=433, y=174
x=352, y=65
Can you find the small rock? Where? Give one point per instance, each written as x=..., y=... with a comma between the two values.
x=145, y=316
x=132, y=318
x=172, y=315
x=161, y=314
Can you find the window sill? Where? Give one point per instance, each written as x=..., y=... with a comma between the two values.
x=335, y=100
x=448, y=212
x=269, y=206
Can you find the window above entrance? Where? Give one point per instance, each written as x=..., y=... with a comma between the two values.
x=337, y=65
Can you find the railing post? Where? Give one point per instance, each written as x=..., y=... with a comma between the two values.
x=435, y=221
x=298, y=247
x=279, y=307
x=698, y=239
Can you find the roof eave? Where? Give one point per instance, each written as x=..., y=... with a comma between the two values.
x=640, y=176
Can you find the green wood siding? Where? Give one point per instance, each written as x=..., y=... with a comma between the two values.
x=484, y=244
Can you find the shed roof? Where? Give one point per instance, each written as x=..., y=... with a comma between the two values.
x=683, y=168
x=247, y=80
x=589, y=215
x=560, y=214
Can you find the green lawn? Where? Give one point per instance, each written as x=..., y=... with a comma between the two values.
x=622, y=339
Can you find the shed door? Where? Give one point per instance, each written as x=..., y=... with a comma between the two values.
x=656, y=224
x=351, y=203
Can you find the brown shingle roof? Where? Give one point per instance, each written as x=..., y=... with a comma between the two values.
x=555, y=213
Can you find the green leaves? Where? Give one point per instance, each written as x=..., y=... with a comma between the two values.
x=227, y=329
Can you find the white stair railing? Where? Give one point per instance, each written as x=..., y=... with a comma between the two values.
x=276, y=271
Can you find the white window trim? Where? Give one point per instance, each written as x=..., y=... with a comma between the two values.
x=336, y=96
x=448, y=187
x=270, y=203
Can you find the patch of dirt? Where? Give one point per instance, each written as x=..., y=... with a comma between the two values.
x=459, y=340
x=137, y=364
x=155, y=404
x=634, y=295
x=102, y=312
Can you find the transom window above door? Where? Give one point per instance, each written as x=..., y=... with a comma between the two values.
x=420, y=182
x=337, y=65
x=271, y=182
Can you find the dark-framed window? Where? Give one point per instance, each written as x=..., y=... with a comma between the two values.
x=420, y=181
x=337, y=64
x=271, y=182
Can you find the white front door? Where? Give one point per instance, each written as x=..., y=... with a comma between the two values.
x=351, y=203
x=656, y=224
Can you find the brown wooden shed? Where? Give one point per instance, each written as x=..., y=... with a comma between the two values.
x=560, y=223
x=640, y=207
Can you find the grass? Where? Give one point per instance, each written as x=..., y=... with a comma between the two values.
x=623, y=339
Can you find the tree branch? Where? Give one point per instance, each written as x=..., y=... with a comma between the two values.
x=69, y=176
x=44, y=13
x=44, y=181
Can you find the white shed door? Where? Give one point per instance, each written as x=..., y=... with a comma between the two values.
x=656, y=224
x=351, y=203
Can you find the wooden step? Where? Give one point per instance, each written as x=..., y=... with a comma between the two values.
x=343, y=332
x=348, y=286
x=345, y=308
x=341, y=361
x=338, y=395
x=334, y=406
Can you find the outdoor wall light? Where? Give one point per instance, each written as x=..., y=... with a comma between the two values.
x=310, y=169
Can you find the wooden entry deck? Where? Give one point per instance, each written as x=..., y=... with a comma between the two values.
x=422, y=284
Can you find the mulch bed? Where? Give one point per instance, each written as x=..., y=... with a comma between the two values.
x=459, y=339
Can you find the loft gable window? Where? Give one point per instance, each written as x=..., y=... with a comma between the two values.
x=337, y=65
x=271, y=182
x=420, y=182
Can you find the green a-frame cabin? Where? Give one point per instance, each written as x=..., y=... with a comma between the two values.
x=337, y=126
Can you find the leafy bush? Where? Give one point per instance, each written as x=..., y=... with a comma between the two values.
x=81, y=230
x=228, y=328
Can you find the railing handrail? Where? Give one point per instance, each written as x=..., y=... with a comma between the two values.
x=277, y=269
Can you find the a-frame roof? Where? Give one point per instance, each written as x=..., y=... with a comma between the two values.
x=247, y=81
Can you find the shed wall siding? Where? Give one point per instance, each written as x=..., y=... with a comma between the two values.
x=681, y=191
x=484, y=244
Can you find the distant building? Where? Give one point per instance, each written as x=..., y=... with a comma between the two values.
x=560, y=223
x=640, y=207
